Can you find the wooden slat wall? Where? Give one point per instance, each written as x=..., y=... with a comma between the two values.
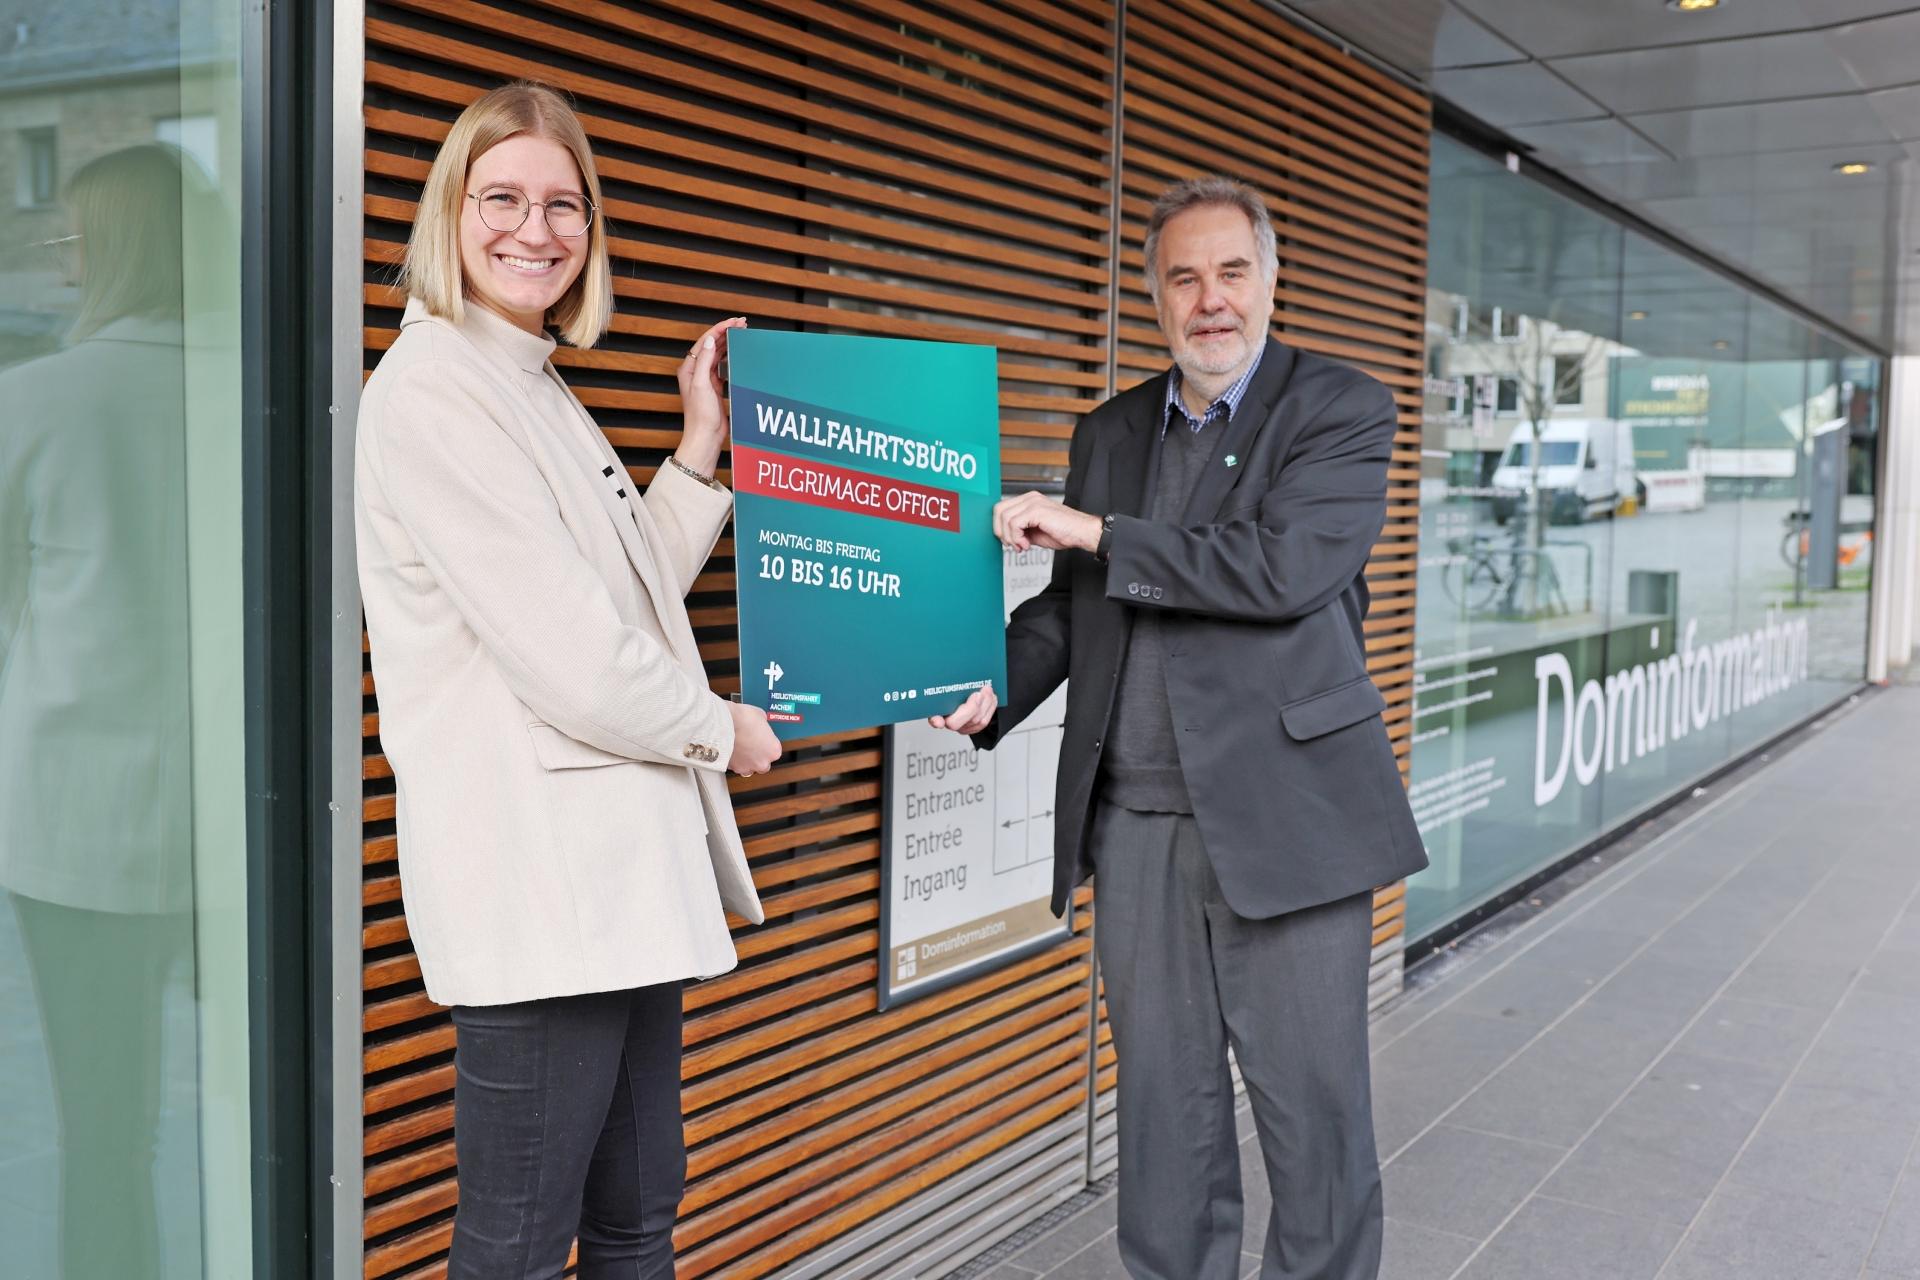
x=887, y=168
x=912, y=168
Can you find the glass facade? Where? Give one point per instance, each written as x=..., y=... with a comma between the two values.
x=1646, y=528
x=125, y=1112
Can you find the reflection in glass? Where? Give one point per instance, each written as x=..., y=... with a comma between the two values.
x=1676, y=556
x=1806, y=494
x=1646, y=529
x=96, y=816
x=1518, y=462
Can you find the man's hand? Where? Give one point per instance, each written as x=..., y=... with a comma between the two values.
x=971, y=716
x=1035, y=520
x=754, y=746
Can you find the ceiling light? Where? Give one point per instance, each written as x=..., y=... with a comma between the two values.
x=1721, y=344
x=1636, y=315
x=1692, y=6
x=1853, y=168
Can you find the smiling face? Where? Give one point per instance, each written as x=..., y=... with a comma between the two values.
x=520, y=274
x=1215, y=299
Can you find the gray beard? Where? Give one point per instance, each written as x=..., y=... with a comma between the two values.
x=1193, y=370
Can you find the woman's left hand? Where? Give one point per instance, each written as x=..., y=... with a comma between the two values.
x=703, y=397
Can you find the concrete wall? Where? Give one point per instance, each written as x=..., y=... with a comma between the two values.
x=1896, y=588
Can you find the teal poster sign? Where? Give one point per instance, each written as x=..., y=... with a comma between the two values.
x=864, y=472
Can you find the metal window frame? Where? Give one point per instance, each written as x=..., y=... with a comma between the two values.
x=341, y=266
x=295, y=549
x=36, y=141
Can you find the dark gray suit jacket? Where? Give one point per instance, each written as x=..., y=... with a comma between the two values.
x=1261, y=597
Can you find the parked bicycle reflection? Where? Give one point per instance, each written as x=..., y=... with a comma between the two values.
x=1505, y=575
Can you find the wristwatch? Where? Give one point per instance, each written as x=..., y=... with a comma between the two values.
x=1105, y=544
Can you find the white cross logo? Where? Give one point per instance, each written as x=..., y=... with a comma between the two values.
x=773, y=674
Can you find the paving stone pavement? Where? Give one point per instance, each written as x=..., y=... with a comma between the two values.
x=1703, y=1064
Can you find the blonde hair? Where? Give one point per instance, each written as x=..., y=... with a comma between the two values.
x=432, y=272
x=133, y=209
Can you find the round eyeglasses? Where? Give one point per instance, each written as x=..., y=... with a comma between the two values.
x=506, y=209
x=65, y=251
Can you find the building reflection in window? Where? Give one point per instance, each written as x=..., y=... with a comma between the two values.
x=1646, y=529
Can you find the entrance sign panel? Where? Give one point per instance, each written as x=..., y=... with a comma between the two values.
x=967, y=862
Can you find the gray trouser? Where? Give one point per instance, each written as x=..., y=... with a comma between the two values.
x=1186, y=977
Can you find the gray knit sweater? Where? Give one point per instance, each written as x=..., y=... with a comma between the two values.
x=1140, y=767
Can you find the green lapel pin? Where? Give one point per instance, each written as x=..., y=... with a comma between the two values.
x=1232, y=461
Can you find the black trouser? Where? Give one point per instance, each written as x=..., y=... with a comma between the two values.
x=567, y=1123
x=98, y=977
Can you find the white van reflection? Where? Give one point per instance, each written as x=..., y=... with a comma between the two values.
x=1583, y=471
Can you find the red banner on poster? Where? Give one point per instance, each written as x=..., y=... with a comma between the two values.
x=780, y=475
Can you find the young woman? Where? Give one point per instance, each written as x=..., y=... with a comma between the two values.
x=566, y=845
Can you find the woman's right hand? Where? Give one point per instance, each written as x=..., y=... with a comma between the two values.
x=754, y=746
x=703, y=398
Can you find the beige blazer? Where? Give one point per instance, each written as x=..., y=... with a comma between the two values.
x=96, y=774
x=563, y=817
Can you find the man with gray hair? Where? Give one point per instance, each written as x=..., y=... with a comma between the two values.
x=1224, y=767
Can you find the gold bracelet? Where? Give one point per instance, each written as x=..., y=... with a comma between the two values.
x=708, y=481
